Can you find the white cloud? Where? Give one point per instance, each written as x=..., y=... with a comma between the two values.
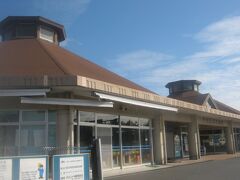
x=217, y=65
x=141, y=60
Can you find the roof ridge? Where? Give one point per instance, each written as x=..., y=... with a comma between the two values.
x=52, y=58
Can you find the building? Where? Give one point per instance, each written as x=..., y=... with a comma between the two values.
x=53, y=101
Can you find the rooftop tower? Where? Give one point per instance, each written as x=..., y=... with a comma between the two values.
x=30, y=27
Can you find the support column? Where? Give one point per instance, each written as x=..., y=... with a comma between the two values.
x=159, y=141
x=64, y=131
x=230, y=139
x=194, y=140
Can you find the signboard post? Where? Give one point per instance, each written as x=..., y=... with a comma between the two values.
x=71, y=167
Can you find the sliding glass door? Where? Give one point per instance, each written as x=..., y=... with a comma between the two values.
x=105, y=134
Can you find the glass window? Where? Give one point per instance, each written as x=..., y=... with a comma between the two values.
x=187, y=86
x=116, y=147
x=8, y=35
x=237, y=142
x=144, y=122
x=46, y=34
x=88, y=117
x=9, y=116
x=32, y=139
x=130, y=146
x=34, y=116
x=9, y=140
x=86, y=137
x=52, y=135
x=107, y=119
x=52, y=116
x=129, y=121
x=236, y=130
x=195, y=87
x=105, y=134
x=145, y=146
x=25, y=30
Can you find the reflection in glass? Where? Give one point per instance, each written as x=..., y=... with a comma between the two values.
x=86, y=138
x=145, y=146
x=130, y=146
x=129, y=121
x=144, y=122
x=116, y=147
x=52, y=135
x=104, y=133
x=33, y=116
x=32, y=139
x=9, y=140
x=237, y=138
x=213, y=140
x=185, y=147
x=9, y=116
x=87, y=117
x=107, y=119
x=52, y=116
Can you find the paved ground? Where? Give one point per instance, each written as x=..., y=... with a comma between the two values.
x=211, y=170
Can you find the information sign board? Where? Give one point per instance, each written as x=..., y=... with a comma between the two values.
x=24, y=168
x=71, y=167
x=6, y=169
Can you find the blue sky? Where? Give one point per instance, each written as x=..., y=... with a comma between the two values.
x=152, y=42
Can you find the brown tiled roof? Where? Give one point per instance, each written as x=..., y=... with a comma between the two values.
x=191, y=96
x=37, y=57
x=223, y=107
x=199, y=99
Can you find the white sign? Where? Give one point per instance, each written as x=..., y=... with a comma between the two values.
x=5, y=169
x=72, y=168
x=32, y=169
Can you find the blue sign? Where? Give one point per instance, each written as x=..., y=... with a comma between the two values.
x=24, y=168
x=74, y=166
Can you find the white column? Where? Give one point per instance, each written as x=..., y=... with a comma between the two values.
x=64, y=131
x=159, y=141
x=230, y=139
x=194, y=139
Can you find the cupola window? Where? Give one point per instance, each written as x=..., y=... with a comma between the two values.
x=25, y=30
x=47, y=34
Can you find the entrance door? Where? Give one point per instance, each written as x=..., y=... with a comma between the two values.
x=185, y=149
x=105, y=133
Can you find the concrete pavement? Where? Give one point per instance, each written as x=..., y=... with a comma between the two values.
x=182, y=164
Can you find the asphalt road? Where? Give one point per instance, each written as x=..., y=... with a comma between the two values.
x=211, y=170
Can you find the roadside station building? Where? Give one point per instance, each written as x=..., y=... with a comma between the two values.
x=54, y=102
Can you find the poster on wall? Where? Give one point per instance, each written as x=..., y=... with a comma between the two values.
x=5, y=169
x=72, y=168
x=32, y=169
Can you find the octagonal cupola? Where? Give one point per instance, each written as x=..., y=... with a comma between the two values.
x=179, y=87
x=28, y=27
